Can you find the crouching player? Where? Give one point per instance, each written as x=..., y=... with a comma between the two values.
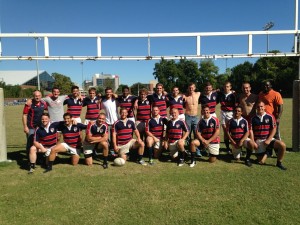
x=96, y=138
x=238, y=131
x=155, y=133
x=207, y=134
x=262, y=131
x=123, y=140
x=72, y=141
x=176, y=134
x=45, y=138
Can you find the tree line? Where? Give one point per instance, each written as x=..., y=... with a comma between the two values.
x=281, y=71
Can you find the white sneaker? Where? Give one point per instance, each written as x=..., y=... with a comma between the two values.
x=47, y=153
x=193, y=164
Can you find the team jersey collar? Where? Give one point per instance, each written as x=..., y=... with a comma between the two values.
x=209, y=95
x=208, y=119
x=261, y=117
x=238, y=120
x=47, y=127
x=174, y=121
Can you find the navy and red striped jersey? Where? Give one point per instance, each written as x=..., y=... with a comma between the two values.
x=156, y=126
x=208, y=127
x=211, y=101
x=92, y=108
x=96, y=130
x=176, y=103
x=124, y=131
x=34, y=113
x=127, y=103
x=71, y=134
x=74, y=106
x=227, y=101
x=262, y=126
x=47, y=136
x=175, y=129
x=237, y=128
x=143, y=112
x=160, y=102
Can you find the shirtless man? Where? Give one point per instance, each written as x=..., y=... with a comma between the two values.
x=247, y=101
x=191, y=109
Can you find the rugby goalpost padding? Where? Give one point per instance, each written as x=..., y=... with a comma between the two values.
x=3, y=148
x=296, y=115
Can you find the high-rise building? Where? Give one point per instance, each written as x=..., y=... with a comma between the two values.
x=106, y=80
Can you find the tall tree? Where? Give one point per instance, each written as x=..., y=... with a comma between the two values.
x=188, y=73
x=63, y=82
x=167, y=73
x=208, y=72
x=242, y=73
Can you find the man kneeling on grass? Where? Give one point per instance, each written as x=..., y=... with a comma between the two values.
x=96, y=138
x=123, y=141
x=45, y=138
x=262, y=131
x=176, y=135
x=72, y=141
x=207, y=134
x=237, y=130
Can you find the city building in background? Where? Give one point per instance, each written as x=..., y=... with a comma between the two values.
x=27, y=79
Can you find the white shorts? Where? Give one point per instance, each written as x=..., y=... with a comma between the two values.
x=261, y=145
x=132, y=119
x=213, y=149
x=157, y=145
x=77, y=119
x=226, y=116
x=237, y=151
x=86, y=121
x=173, y=148
x=71, y=150
x=124, y=149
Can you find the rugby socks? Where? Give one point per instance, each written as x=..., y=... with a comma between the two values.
x=180, y=155
x=105, y=160
x=150, y=149
x=226, y=141
x=248, y=154
x=140, y=157
x=32, y=165
x=49, y=166
x=193, y=156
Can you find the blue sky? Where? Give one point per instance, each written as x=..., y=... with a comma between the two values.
x=137, y=16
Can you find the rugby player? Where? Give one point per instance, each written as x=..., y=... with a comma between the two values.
x=44, y=139
x=155, y=134
x=262, y=131
x=96, y=138
x=207, y=134
x=122, y=137
x=176, y=134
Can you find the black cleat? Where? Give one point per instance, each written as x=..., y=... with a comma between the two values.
x=248, y=163
x=280, y=166
x=48, y=169
x=105, y=165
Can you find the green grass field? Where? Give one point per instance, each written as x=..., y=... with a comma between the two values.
x=220, y=193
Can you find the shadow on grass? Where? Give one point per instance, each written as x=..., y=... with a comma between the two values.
x=20, y=157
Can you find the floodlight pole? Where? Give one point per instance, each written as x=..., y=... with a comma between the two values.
x=82, y=84
x=267, y=27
